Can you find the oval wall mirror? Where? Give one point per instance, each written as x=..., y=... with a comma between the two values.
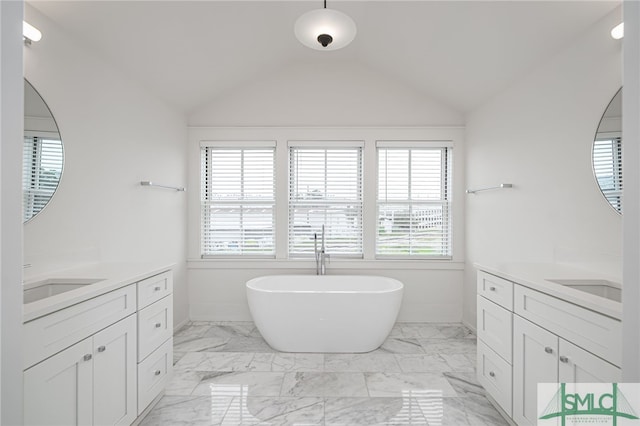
x=42, y=156
x=607, y=153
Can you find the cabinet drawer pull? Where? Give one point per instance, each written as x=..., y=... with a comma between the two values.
x=157, y=372
x=87, y=357
x=548, y=350
x=158, y=325
x=157, y=288
x=492, y=374
x=102, y=348
x=564, y=358
x=492, y=288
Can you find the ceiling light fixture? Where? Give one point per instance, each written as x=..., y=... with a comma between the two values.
x=618, y=31
x=325, y=29
x=30, y=33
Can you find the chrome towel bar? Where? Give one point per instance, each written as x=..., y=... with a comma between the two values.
x=149, y=183
x=502, y=185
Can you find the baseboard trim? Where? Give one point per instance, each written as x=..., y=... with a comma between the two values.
x=472, y=327
x=500, y=410
x=181, y=324
x=148, y=409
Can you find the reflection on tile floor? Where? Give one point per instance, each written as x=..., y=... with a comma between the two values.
x=226, y=374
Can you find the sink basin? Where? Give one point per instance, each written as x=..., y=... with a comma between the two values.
x=603, y=288
x=47, y=288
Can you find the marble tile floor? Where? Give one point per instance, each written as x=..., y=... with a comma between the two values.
x=226, y=374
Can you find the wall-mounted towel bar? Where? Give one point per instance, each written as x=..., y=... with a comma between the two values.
x=502, y=185
x=175, y=188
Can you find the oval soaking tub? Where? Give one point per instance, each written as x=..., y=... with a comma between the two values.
x=324, y=313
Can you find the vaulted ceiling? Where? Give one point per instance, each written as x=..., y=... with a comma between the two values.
x=460, y=53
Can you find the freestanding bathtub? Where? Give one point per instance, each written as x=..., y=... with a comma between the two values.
x=324, y=313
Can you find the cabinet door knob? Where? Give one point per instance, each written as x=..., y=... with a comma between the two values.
x=157, y=288
x=564, y=358
x=548, y=350
x=157, y=372
x=492, y=374
x=102, y=348
x=87, y=357
x=158, y=325
x=492, y=288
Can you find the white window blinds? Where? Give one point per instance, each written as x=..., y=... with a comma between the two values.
x=41, y=171
x=238, y=200
x=414, y=201
x=607, y=166
x=325, y=188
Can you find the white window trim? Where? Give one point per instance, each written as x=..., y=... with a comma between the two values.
x=324, y=144
x=421, y=144
x=370, y=135
x=237, y=145
x=328, y=145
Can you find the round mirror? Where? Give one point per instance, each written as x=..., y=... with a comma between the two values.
x=42, y=157
x=607, y=153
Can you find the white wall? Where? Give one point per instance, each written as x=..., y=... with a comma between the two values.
x=325, y=93
x=318, y=98
x=433, y=289
x=11, y=101
x=537, y=135
x=115, y=135
x=631, y=222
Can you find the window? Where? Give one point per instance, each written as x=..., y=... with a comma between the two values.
x=237, y=199
x=325, y=188
x=414, y=200
x=607, y=166
x=42, y=168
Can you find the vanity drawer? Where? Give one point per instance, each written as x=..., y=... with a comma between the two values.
x=52, y=333
x=496, y=289
x=153, y=374
x=154, y=288
x=495, y=325
x=495, y=375
x=594, y=332
x=155, y=326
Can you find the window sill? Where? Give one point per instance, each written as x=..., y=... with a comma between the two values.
x=334, y=264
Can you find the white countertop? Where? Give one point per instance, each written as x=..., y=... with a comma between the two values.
x=537, y=275
x=112, y=276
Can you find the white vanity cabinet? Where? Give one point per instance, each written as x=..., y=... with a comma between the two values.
x=540, y=356
x=104, y=359
x=537, y=338
x=91, y=382
x=494, y=329
x=155, y=337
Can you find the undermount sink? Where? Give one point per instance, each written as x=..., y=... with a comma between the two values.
x=51, y=287
x=603, y=288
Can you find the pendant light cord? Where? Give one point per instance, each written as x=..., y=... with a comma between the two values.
x=325, y=4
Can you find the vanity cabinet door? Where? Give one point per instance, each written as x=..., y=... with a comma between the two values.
x=114, y=374
x=580, y=366
x=58, y=391
x=535, y=360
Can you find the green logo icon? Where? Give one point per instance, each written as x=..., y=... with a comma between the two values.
x=612, y=404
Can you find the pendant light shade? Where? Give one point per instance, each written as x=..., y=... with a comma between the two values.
x=325, y=29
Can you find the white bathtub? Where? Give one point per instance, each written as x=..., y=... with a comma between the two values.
x=324, y=313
